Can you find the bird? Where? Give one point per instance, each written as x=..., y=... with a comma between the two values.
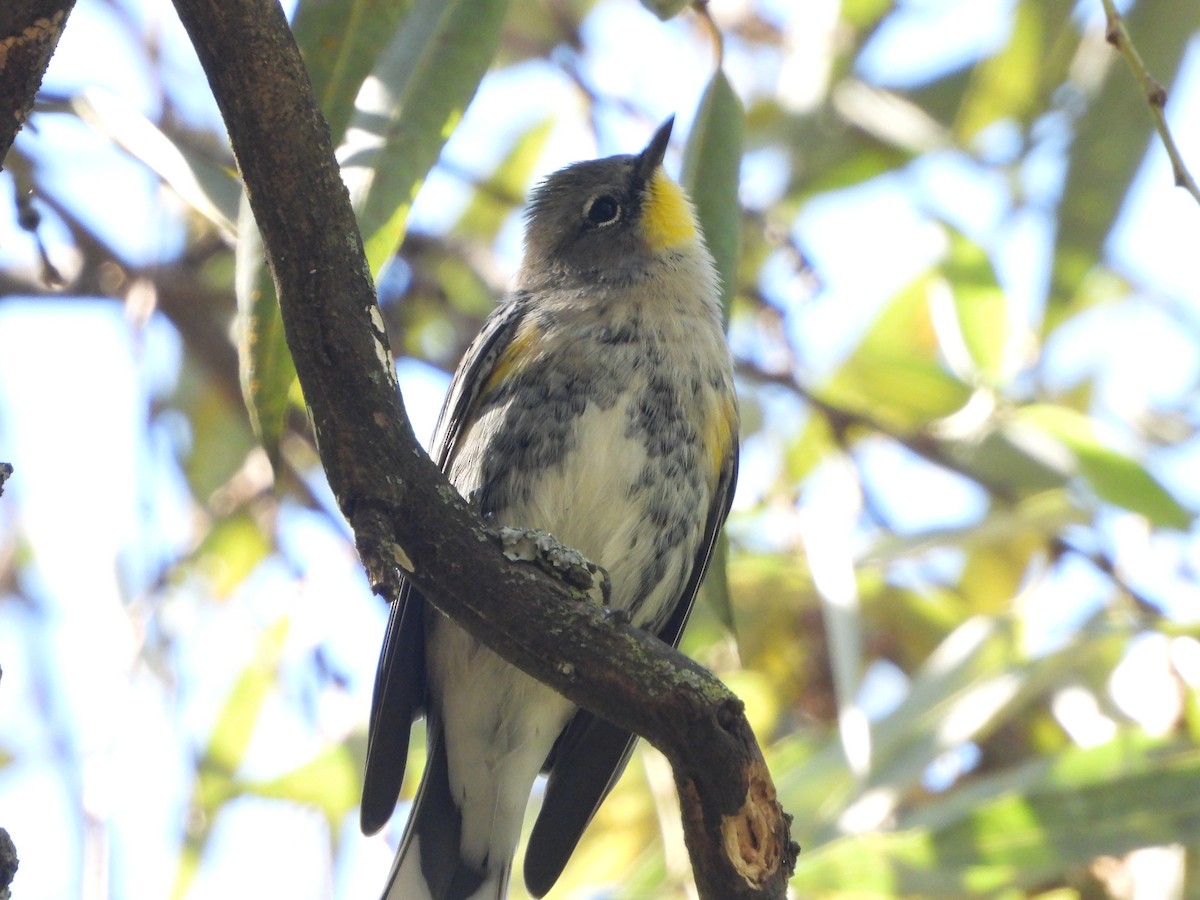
x=596, y=404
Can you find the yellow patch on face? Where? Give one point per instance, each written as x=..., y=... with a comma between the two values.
x=667, y=215
x=515, y=356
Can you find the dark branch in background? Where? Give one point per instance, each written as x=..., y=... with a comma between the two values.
x=8, y=863
x=405, y=513
x=29, y=32
x=8, y=850
x=6, y=471
x=1156, y=95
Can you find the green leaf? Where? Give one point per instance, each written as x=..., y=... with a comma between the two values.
x=208, y=189
x=712, y=162
x=235, y=726
x=1022, y=828
x=711, y=171
x=265, y=362
x=980, y=306
x=331, y=782
x=341, y=42
x=665, y=9
x=221, y=438
x=425, y=74
x=1006, y=86
x=1114, y=476
x=1011, y=458
x=426, y=77
x=864, y=13
x=230, y=551
x=895, y=373
x=715, y=588
x=506, y=187
x=216, y=780
x=978, y=678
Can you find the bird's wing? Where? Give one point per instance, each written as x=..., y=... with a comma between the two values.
x=400, y=683
x=591, y=752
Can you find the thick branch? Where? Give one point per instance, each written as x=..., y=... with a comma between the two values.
x=29, y=32
x=402, y=509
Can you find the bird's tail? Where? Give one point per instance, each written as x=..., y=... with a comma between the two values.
x=429, y=863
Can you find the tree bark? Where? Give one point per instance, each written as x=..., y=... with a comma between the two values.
x=403, y=511
x=29, y=32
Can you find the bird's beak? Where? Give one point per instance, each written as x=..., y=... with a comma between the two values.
x=651, y=158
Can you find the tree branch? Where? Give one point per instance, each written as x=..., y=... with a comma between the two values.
x=402, y=509
x=29, y=32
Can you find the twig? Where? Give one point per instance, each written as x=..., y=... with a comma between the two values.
x=700, y=8
x=1117, y=34
x=1107, y=566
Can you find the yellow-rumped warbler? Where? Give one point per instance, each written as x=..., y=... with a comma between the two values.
x=596, y=404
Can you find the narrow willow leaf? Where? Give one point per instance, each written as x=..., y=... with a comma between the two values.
x=235, y=725
x=419, y=90
x=896, y=374
x=980, y=306
x=424, y=75
x=712, y=162
x=1114, y=476
x=1038, y=824
x=208, y=189
x=231, y=550
x=341, y=42
x=216, y=779
x=715, y=587
x=976, y=680
x=864, y=14
x=1005, y=85
x=1012, y=458
x=267, y=370
x=329, y=781
x=506, y=187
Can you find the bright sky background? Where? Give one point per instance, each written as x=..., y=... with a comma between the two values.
x=101, y=503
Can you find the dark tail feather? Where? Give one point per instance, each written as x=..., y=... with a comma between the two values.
x=429, y=865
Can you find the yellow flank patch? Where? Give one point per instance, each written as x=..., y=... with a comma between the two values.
x=515, y=356
x=667, y=213
x=718, y=433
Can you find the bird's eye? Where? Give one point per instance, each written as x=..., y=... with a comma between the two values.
x=602, y=210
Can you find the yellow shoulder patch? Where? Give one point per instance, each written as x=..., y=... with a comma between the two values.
x=515, y=356
x=667, y=215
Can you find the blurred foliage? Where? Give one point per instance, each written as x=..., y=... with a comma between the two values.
x=1003, y=765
